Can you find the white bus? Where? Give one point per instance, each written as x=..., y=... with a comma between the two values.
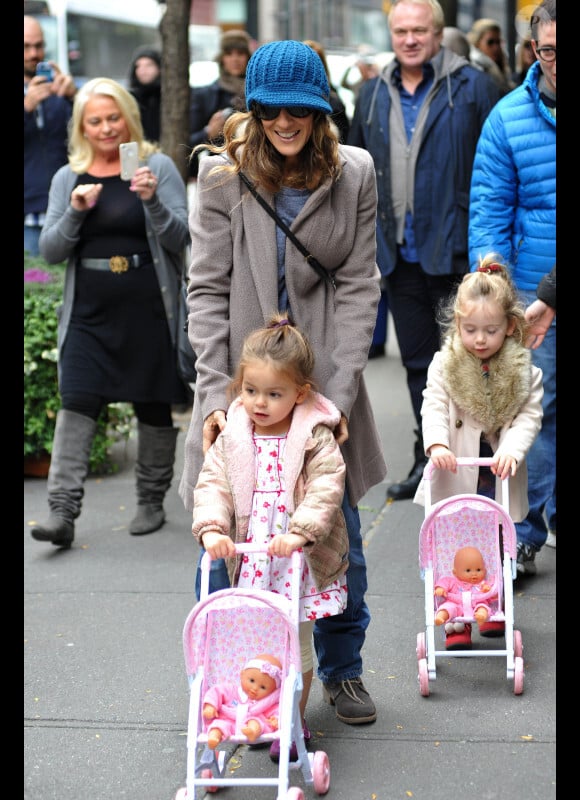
x=92, y=38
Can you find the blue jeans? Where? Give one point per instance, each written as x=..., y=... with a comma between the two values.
x=338, y=640
x=541, y=458
x=31, y=237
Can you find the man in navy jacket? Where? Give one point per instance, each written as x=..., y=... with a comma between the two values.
x=420, y=120
x=47, y=110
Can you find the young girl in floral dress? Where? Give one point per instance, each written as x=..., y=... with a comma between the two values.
x=276, y=475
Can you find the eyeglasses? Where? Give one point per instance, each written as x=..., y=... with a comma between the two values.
x=271, y=112
x=547, y=54
x=491, y=42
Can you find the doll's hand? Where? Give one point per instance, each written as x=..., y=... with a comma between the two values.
x=440, y=592
x=283, y=545
x=504, y=466
x=209, y=711
x=443, y=458
x=273, y=722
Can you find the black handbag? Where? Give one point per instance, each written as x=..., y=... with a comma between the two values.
x=325, y=274
x=185, y=354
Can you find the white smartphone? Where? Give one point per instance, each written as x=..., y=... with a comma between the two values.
x=129, y=154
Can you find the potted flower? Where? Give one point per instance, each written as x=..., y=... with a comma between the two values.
x=43, y=290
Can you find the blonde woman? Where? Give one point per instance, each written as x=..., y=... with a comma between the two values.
x=123, y=241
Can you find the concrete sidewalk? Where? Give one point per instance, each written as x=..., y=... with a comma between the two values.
x=105, y=689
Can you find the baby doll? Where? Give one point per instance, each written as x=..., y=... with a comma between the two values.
x=250, y=708
x=469, y=575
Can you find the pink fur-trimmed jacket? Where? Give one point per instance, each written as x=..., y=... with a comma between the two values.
x=314, y=472
x=235, y=709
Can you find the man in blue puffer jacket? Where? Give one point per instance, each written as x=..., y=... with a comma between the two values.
x=513, y=212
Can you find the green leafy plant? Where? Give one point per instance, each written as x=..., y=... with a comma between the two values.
x=43, y=293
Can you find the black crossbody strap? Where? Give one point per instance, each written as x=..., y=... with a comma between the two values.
x=314, y=263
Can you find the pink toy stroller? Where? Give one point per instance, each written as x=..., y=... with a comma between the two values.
x=221, y=632
x=477, y=521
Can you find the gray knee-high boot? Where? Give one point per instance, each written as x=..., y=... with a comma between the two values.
x=69, y=466
x=154, y=473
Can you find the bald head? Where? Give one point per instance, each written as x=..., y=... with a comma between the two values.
x=33, y=46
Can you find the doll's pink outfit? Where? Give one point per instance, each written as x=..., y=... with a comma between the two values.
x=235, y=709
x=464, y=598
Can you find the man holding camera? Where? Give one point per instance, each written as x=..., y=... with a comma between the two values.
x=47, y=110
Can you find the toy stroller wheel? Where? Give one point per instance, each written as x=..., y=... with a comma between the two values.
x=207, y=773
x=421, y=646
x=423, y=677
x=321, y=772
x=518, y=644
x=295, y=793
x=518, y=675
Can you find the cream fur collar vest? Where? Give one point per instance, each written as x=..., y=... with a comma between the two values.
x=494, y=398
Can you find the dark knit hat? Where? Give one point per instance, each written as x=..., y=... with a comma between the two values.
x=287, y=73
x=234, y=40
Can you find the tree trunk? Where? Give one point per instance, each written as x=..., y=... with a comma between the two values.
x=175, y=92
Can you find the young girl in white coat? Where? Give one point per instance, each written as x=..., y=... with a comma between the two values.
x=275, y=475
x=483, y=398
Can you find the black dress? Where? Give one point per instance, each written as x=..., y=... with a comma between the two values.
x=118, y=345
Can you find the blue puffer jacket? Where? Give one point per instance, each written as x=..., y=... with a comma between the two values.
x=513, y=189
x=444, y=162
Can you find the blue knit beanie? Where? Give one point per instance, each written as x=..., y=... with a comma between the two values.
x=287, y=73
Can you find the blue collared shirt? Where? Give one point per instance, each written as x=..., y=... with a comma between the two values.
x=411, y=105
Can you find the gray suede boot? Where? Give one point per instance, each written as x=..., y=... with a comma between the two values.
x=69, y=466
x=154, y=473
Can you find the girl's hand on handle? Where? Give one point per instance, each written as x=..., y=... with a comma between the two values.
x=212, y=426
x=443, y=458
x=504, y=466
x=218, y=545
x=283, y=545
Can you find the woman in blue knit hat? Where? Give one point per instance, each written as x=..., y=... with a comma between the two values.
x=243, y=267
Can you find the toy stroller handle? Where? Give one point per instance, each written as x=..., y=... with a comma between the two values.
x=464, y=461
x=251, y=547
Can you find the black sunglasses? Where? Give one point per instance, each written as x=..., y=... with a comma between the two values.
x=491, y=42
x=271, y=112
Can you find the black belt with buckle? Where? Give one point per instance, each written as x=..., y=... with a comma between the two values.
x=117, y=263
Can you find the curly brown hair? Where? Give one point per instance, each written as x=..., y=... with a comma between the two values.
x=250, y=151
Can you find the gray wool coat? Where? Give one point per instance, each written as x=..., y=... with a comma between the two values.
x=233, y=288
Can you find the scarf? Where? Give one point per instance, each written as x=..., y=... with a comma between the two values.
x=236, y=86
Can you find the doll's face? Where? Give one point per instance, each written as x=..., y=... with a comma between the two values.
x=257, y=684
x=468, y=565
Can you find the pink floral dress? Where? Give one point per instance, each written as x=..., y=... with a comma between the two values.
x=270, y=517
